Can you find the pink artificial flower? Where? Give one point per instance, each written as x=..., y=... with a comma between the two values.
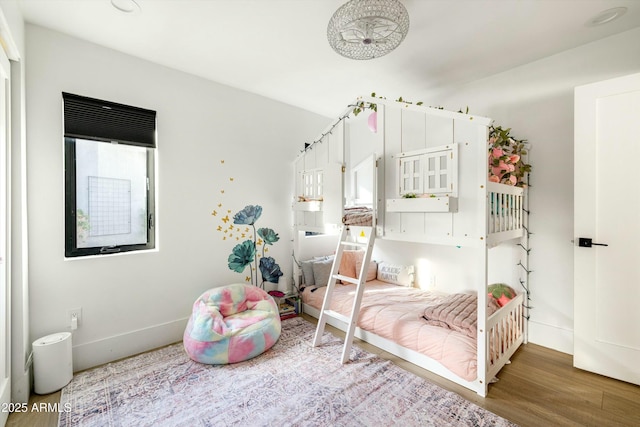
x=502, y=165
x=514, y=158
x=497, y=152
x=511, y=168
x=513, y=180
x=494, y=178
x=497, y=171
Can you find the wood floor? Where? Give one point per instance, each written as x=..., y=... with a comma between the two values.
x=539, y=388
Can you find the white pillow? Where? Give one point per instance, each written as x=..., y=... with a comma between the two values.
x=396, y=274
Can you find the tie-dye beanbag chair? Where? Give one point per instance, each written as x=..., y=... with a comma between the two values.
x=230, y=324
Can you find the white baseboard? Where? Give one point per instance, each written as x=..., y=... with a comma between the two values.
x=107, y=350
x=551, y=336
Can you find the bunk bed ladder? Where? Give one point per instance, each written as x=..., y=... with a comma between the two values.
x=325, y=311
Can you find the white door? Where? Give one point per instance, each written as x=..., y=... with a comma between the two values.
x=5, y=296
x=607, y=210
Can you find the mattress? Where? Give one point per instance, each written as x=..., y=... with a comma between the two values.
x=395, y=313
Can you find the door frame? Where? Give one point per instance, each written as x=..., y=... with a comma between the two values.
x=5, y=233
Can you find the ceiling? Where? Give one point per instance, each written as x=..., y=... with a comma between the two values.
x=279, y=48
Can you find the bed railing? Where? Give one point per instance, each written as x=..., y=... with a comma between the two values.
x=506, y=332
x=505, y=214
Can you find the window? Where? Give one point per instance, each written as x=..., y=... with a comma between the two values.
x=430, y=171
x=411, y=175
x=109, y=177
x=312, y=184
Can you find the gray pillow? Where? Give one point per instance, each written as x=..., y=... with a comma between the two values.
x=307, y=272
x=307, y=269
x=322, y=271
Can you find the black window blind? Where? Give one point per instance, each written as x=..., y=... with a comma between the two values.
x=89, y=118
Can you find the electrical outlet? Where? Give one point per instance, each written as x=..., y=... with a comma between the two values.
x=74, y=313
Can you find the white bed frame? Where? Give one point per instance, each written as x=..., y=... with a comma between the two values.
x=505, y=329
x=465, y=209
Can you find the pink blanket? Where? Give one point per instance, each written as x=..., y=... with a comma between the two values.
x=395, y=313
x=357, y=216
x=458, y=312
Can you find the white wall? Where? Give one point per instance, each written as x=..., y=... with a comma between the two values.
x=451, y=269
x=217, y=146
x=536, y=101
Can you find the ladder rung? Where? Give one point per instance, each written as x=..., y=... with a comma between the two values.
x=345, y=243
x=337, y=316
x=346, y=279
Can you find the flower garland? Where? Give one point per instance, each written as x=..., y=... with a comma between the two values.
x=505, y=158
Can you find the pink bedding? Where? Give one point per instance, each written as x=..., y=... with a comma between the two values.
x=395, y=313
x=459, y=312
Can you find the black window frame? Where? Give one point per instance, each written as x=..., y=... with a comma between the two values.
x=105, y=122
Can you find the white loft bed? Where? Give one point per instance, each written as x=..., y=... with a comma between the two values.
x=441, y=157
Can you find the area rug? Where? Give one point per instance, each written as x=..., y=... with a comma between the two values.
x=292, y=384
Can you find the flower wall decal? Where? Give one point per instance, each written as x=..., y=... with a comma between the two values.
x=242, y=255
x=252, y=244
x=249, y=215
x=246, y=253
x=270, y=270
x=268, y=235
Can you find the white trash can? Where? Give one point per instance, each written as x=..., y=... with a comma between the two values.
x=52, y=362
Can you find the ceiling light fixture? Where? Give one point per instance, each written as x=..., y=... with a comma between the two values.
x=607, y=16
x=126, y=6
x=367, y=29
